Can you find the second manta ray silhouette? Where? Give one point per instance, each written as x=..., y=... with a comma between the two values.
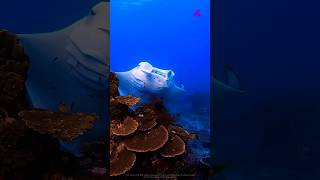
x=222, y=91
x=70, y=66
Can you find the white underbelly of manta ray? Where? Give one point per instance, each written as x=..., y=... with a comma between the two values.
x=148, y=83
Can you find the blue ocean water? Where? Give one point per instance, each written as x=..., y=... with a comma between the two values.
x=271, y=131
x=166, y=34
x=171, y=35
x=41, y=16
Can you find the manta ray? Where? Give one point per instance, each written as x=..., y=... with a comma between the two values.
x=148, y=83
x=70, y=66
x=224, y=90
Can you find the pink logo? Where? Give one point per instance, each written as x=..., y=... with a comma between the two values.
x=197, y=13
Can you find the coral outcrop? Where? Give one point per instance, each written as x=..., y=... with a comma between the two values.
x=144, y=138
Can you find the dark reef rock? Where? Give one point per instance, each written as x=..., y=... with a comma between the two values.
x=13, y=73
x=113, y=85
x=24, y=152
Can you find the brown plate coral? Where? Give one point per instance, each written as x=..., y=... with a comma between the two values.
x=146, y=137
x=128, y=100
x=128, y=126
x=121, y=160
x=147, y=141
x=174, y=147
x=64, y=125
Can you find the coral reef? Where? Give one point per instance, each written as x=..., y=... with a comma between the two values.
x=145, y=139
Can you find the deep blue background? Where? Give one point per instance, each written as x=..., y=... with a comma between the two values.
x=271, y=131
x=41, y=16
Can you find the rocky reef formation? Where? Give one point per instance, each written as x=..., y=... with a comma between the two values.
x=29, y=148
x=13, y=71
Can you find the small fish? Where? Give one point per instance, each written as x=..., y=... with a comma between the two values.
x=197, y=13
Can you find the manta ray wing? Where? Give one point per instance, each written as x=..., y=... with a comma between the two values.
x=56, y=57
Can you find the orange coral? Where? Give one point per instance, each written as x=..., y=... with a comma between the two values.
x=121, y=160
x=128, y=126
x=128, y=100
x=174, y=147
x=147, y=141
